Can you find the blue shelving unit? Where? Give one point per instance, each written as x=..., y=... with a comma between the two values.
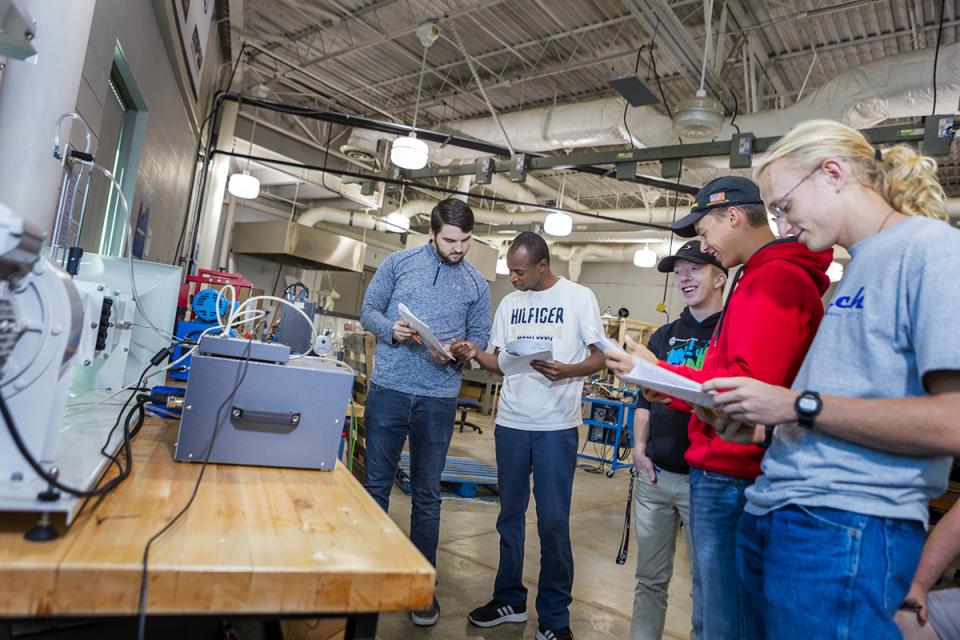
x=607, y=423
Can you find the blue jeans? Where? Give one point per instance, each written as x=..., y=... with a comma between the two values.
x=716, y=507
x=552, y=458
x=391, y=417
x=815, y=572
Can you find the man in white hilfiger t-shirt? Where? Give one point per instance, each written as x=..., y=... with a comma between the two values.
x=537, y=418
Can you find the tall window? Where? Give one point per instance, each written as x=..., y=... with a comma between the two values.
x=119, y=141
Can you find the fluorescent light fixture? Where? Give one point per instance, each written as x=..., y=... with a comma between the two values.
x=558, y=224
x=502, y=268
x=397, y=222
x=243, y=185
x=408, y=152
x=645, y=258
x=835, y=271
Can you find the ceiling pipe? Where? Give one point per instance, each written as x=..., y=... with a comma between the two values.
x=892, y=87
x=316, y=215
x=463, y=186
x=579, y=247
x=501, y=185
x=545, y=190
x=578, y=254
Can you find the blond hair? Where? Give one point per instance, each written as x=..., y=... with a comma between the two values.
x=906, y=179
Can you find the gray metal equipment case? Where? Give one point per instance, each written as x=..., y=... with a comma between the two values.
x=285, y=412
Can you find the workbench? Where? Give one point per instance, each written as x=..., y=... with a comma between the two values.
x=274, y=543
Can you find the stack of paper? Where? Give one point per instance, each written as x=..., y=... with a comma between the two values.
x=422, y=330
x=516, y=355
x=651, y=376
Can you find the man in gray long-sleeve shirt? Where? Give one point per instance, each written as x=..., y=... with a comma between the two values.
x=413, y=391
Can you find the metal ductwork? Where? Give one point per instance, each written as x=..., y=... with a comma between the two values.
x=298, y=245
x=892, y=87
x=316, y=215
x=411, y=208
x=577, y=255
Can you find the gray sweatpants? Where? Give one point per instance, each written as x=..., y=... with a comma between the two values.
x=660, y=508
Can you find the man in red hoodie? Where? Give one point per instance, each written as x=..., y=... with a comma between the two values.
x=767, y=325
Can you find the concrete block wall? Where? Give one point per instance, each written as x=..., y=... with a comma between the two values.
x=166, y=159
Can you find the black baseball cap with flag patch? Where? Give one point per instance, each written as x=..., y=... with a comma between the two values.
x=691, y=252
x=726, y=191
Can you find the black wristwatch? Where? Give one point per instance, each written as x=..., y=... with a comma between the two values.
x=808, y=405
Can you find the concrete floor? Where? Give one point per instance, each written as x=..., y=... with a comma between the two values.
x=469, y=552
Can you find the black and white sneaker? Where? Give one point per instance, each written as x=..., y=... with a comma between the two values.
x=427, y=617
x=495, y=612
x=554, y=634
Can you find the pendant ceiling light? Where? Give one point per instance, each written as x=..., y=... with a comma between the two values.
x=397, y=222
x=407, y=152
x=243, y=185
x=558, y=224
x=645, y=258
x=700, y=116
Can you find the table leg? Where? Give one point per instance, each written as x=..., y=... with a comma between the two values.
x=272, y=630
x=361, y=627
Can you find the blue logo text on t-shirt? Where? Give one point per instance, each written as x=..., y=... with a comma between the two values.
x=847, y=302
x=537, y=315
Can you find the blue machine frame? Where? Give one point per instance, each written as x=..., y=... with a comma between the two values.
x=624, y=413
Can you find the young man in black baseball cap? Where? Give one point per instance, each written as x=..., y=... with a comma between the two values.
x=767, y=325
x=660, y=439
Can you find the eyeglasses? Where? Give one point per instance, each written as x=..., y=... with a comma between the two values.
x=777, y=206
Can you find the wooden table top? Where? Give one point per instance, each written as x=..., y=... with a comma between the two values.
x=256, y=540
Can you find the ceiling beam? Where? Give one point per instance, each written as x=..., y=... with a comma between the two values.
x=852, y=42
x=498, y=52
x=674, y=38
x=322, y=25
x=439, y=99
x=362, y=46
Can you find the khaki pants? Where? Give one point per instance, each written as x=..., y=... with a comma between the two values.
x=660, y=508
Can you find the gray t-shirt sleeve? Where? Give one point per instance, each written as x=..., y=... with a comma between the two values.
x=934, y=306
x=590, y=325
